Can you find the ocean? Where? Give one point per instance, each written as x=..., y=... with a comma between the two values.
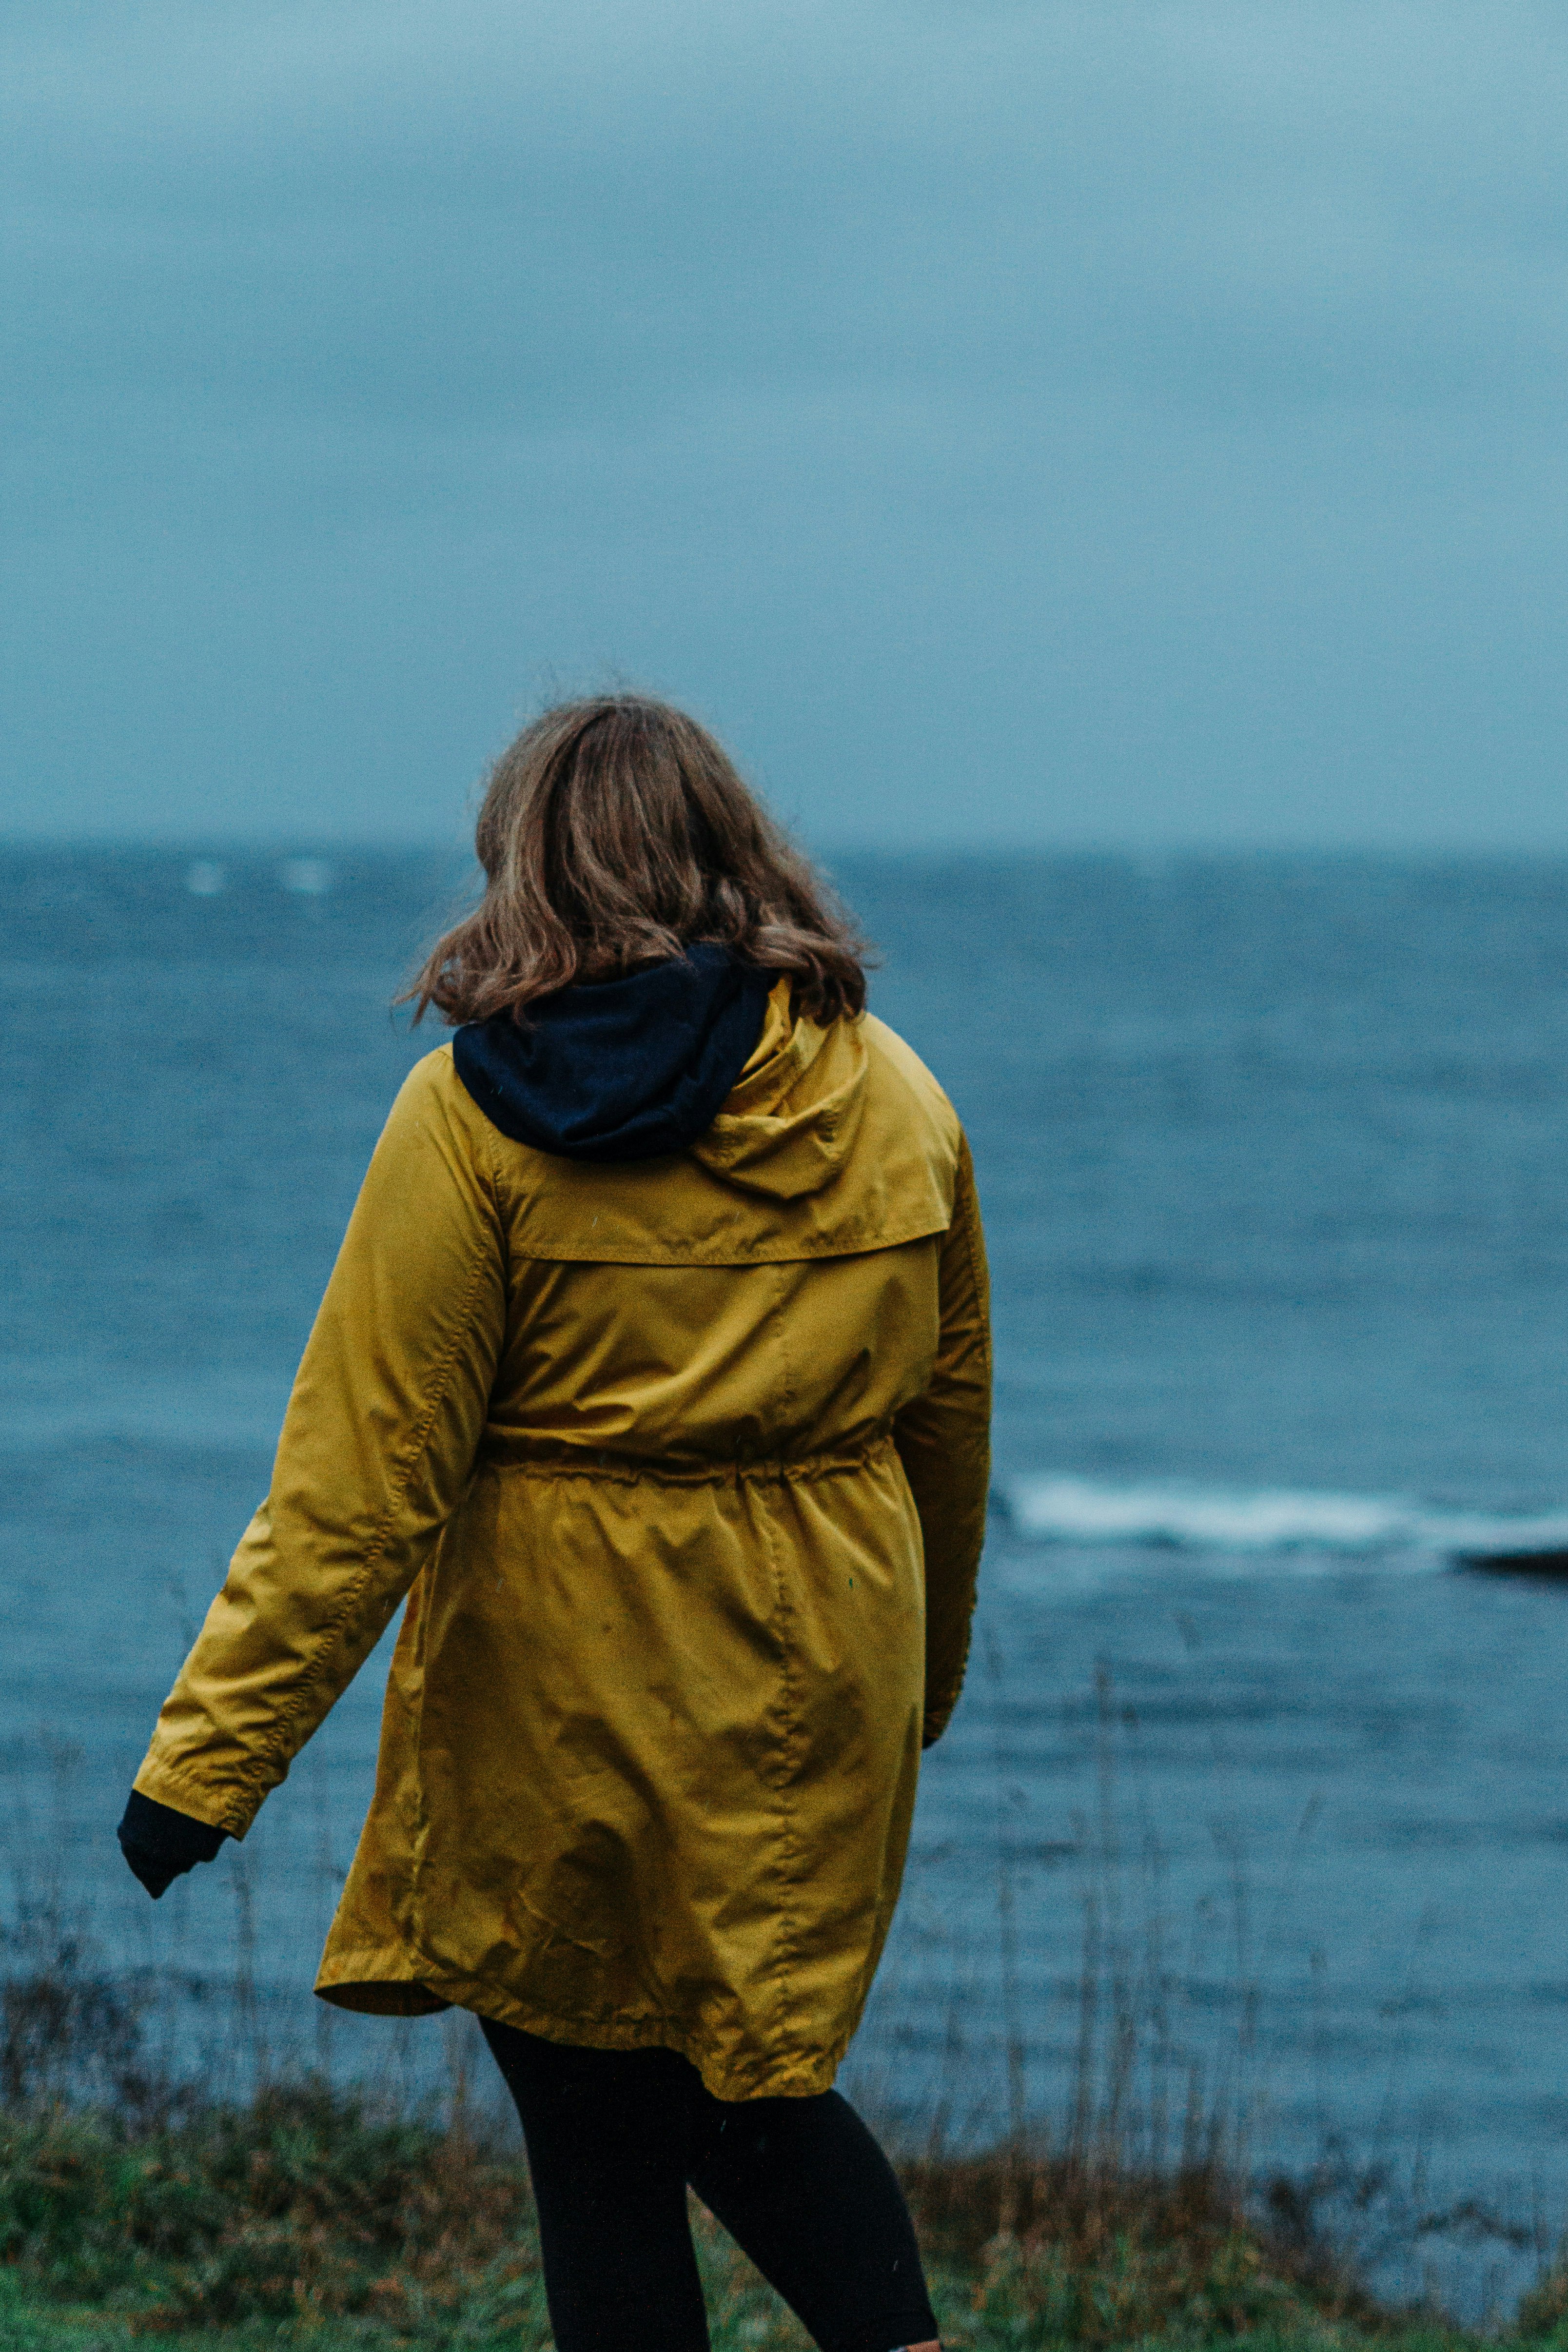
x=1259, y=1781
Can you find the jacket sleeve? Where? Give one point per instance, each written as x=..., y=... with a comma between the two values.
x=377, y=1447
x=944, y=1442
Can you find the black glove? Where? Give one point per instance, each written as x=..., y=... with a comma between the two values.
x=161, y=1845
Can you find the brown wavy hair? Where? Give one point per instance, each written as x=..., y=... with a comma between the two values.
x=613, y=832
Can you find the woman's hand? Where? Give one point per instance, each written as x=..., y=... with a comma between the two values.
x=161, y=1845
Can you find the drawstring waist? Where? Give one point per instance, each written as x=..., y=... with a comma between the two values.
x=530, y=1457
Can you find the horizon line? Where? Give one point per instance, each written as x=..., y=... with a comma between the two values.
x=1153, y=849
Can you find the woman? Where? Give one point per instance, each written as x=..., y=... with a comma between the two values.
x=654, y=1373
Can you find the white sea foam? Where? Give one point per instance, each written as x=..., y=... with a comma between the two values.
x=1063, y=1510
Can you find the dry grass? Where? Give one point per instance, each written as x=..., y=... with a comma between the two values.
x=306, y=2207
x=1098, y=2254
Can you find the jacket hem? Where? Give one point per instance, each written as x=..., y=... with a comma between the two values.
x=364, y=1982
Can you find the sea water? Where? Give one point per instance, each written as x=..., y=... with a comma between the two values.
x=1273, y=1153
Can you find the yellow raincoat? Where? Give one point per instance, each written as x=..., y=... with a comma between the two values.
x=681, y=1465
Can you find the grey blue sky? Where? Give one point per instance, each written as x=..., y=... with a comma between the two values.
x=1108, y=422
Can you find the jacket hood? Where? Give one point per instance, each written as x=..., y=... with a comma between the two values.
x=619, y=1069
x=701, y=1054
x=787, y=1127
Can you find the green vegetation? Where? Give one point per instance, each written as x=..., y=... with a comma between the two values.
x=307, y=2219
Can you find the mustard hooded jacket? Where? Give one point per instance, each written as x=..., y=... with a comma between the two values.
x=680, y=1466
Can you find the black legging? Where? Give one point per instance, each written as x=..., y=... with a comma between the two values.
x=615, y=2135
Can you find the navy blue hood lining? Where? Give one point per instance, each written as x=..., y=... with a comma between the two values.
x=620, y=1069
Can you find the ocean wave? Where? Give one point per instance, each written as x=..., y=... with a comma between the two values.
x=1078, y=1511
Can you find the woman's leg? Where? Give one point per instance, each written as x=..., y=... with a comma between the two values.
x=803, y=2188
x=609, y=2137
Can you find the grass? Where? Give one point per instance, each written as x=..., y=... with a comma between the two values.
x=308, y=2218
x=27, y=2327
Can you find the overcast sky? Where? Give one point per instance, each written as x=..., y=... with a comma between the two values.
x=1112, y=423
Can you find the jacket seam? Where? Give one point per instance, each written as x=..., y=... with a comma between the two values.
x=971, y=1219
x=867, y=1239
x=790, y=1858
x=492, y=1183
x=936, y=1718
x=278, y=1745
